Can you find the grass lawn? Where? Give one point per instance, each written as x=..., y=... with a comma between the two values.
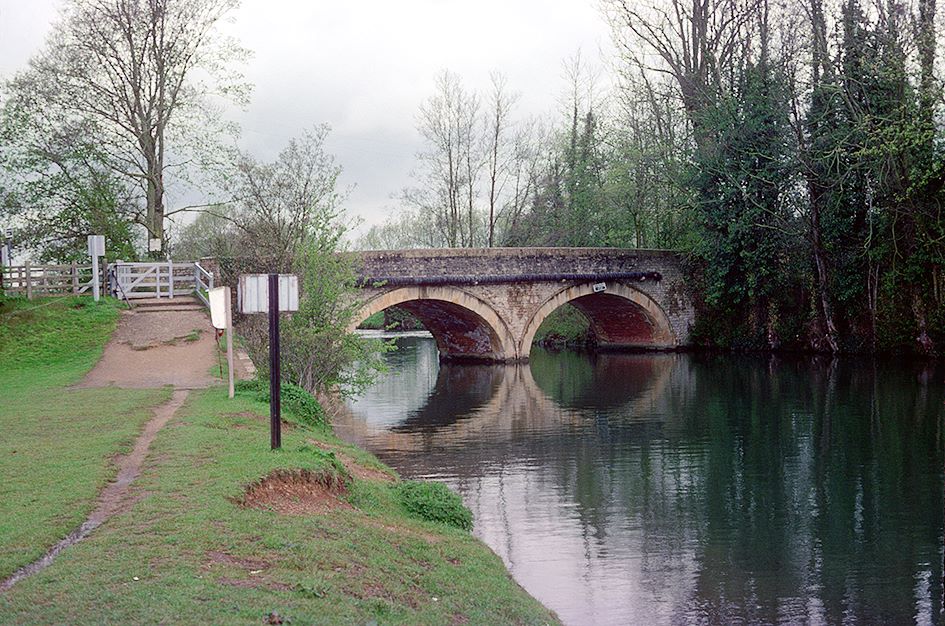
x=189, y=551
x=56, y=442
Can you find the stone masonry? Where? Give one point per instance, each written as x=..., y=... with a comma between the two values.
x=486, y=304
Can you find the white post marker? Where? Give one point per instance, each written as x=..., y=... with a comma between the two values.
x=221, y=316
x=96, y=250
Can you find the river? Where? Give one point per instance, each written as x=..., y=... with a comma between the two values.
x=684, y=488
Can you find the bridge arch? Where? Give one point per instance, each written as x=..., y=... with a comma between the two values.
x=619, y=316
x=463, y=325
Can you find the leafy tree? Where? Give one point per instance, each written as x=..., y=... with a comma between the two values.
x=744, y=198
x=138, y=77
x=285, y=216
x=59, y=188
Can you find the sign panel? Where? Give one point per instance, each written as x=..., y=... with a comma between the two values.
x=217, y=298
x=253, y=293
x=96, y=245
x=599, y=287
x=154, y=244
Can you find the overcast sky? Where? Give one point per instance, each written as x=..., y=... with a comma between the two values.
x=365, y=67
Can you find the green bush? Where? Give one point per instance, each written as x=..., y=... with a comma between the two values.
x=434, y=502
x=300, y=403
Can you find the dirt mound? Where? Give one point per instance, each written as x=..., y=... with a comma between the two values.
x=296, y=492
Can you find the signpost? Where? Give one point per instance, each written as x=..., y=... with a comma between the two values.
x=221, y=316
x=96, y=250
x=272, y=293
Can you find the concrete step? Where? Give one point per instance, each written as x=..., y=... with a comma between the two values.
x=165, y=309
x=161, y=305
x=165, y=302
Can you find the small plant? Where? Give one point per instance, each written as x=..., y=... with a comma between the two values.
x=296, y=400
x=434, y=502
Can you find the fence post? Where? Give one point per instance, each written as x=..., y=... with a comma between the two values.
x=29, y=282
x=170, y=278
x=75, y=278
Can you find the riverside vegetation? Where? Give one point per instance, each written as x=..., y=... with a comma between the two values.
x=221, y=528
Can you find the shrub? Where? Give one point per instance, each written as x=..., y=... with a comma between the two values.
x=434, y=502
x=300, y=403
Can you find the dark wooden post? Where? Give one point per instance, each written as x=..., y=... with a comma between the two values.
x=275, y=375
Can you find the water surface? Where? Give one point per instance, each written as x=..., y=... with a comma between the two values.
x=671, y=489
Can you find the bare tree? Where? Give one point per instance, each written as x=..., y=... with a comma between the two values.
x=278, y=206
x=501, y=149
x=129, y=68
x=698, y=43
x=451, y=162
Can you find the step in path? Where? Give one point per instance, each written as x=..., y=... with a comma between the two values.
x=159, y=305
x=158, y=348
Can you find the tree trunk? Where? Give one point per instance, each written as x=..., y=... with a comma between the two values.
x=820, y=263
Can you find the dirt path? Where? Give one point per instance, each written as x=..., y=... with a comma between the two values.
x=154, y=349
x=114, y=497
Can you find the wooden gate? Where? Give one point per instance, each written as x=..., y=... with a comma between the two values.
x=162, y=279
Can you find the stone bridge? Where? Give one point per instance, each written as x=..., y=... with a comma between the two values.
x=487, y=303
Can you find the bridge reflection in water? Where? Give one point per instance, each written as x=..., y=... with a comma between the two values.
x=670, y=488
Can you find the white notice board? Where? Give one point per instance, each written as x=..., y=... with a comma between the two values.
x=253, y=293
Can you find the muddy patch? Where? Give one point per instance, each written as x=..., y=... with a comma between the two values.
x=296, y=492
x=247, y=563
x=254, y=583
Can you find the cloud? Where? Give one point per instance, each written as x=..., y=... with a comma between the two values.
x=365, y=67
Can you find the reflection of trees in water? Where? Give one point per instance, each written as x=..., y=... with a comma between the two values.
x=741, y=489
x=789, y=480
x=589, y=381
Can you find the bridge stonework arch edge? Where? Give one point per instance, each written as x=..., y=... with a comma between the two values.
x=664, y=335
x=504, y=345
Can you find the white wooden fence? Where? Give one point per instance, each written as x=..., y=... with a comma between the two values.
x=163, y=279
x=46, y=280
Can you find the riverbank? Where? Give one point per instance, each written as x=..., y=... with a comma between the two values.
x=219, y=528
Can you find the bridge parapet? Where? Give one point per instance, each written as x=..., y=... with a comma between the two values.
x=513, y=262
x=509, y=291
